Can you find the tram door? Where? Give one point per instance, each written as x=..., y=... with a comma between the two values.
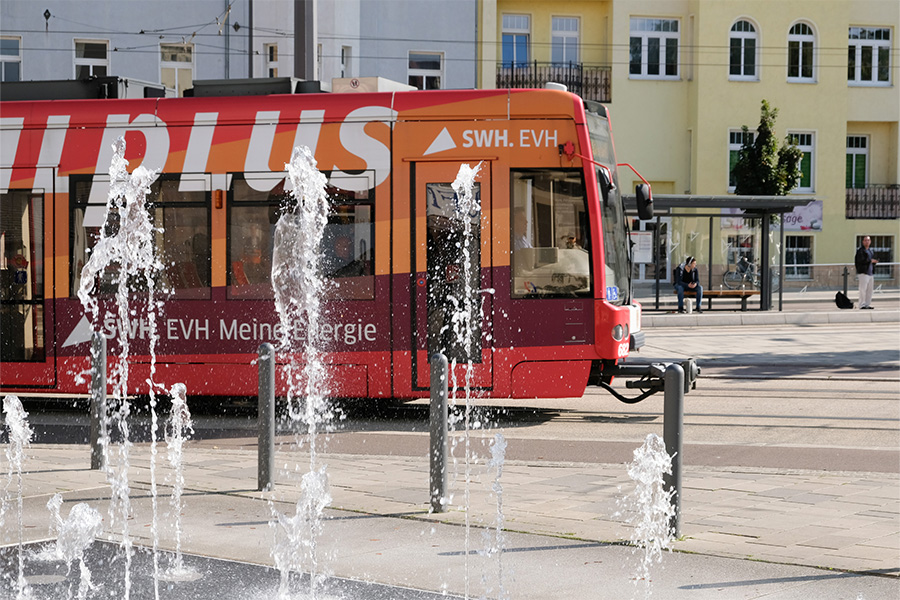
x=453, y=304
x=26, y=338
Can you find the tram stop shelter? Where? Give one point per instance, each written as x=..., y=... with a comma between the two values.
x=738, y=236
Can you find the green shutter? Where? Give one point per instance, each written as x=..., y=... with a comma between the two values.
x=859, y=171
x=806, y=170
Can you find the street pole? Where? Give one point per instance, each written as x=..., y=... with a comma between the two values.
x=266, y=419
x=673, y=425
x=438, y=422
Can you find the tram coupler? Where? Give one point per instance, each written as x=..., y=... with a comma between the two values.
x=648, y=377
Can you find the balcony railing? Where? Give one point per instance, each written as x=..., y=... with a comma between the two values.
x=591, y=83
x=876, y=201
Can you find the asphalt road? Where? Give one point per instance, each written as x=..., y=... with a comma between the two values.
x=801, y=397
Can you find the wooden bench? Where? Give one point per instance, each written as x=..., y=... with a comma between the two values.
x=723, y=293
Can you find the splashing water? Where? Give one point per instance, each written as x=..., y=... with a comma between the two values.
x=178, y=429
x=299, y=291
x=649, y=506
x=20, y=434
x=126, y=251
x=494, y=540
x=463, y=322
x=74, y=535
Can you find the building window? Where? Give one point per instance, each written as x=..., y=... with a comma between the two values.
x=516, y=31
x=805, y=142
x=798, y=256
x=742, y=51
x=736, y=140
x=857, y=161
x=883, y=248
x=177, y=67
x=10, y=59
x=801, y=45
x=91, y=58
x=345, y=61
x=564, y=42
x=869, y=56
x=425, y=70
x=271, y=51
x=654, y=49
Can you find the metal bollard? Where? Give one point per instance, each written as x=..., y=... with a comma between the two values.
x=846, y=274
x=673, y=425
x=98, y=396
x=439, y=435
x=266, y=418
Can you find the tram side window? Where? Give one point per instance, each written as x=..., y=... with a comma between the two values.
x=22, y=276
x=347, y=251
x=550, y=245
x=181, y=220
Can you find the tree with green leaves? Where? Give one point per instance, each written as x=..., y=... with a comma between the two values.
x=762, y=168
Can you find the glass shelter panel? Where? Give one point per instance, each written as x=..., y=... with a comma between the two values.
x=689, y=236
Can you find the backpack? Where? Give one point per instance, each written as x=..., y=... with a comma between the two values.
x=842, y=300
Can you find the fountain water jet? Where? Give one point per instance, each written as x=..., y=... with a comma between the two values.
x=178, y=428
x=463, y=322
x=20, y=434
x=126, y=249
x=494, y=540
x=299, y=290
x=74, y=535
x=648, y=507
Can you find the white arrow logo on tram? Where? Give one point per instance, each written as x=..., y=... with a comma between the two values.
x=443, y=141
x=80, y=334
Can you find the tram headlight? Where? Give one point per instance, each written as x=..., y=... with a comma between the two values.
x=620, y=332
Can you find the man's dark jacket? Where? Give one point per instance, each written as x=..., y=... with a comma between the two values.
x=863, y=260
x=681, y=272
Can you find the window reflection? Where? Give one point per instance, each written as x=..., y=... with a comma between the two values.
x=347, y=242
x=549, y=246
x=181, y=219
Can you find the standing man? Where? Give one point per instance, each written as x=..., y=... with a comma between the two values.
x=687, y=279
x=865, y=271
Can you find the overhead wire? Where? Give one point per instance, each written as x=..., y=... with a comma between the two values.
x=694, y=51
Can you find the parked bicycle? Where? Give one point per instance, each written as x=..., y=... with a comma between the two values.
x=746, y=274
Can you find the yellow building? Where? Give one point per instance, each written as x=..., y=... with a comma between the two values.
x=682, y=76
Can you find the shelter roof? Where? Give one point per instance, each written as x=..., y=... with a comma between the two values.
x=749, y=204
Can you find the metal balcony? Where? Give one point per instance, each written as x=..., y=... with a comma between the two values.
x=875, y=201
x=591, y=83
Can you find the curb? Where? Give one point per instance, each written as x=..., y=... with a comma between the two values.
x=707, y=319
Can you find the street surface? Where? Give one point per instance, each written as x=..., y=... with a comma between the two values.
x=790, y=455
x=802, y=397
x=823, y=397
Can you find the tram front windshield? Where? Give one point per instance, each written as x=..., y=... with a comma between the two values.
x=612, y=209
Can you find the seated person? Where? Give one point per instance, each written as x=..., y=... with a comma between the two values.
x=687, y=278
